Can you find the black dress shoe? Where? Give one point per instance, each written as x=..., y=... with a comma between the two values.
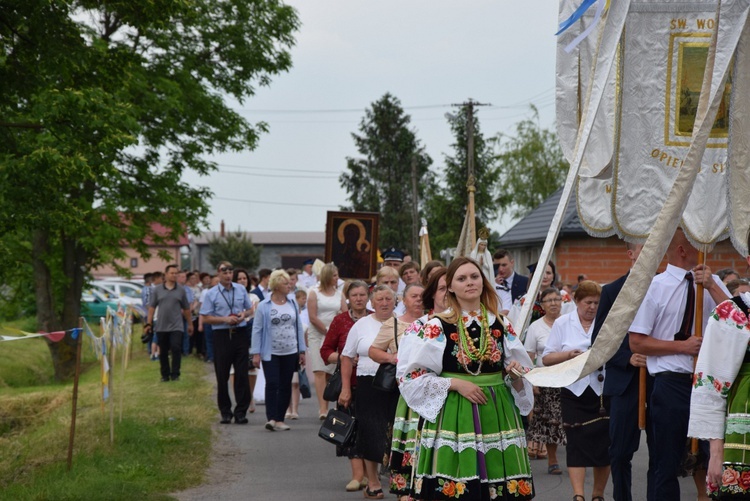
x=240, y=419
x=226, y=419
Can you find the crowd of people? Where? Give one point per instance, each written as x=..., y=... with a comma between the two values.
x=463, y=421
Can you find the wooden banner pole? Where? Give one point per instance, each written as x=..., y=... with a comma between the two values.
x=698, y=329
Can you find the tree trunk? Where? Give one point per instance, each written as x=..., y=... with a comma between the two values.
x=48, y=320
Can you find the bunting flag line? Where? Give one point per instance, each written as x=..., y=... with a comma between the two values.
x=55, y=336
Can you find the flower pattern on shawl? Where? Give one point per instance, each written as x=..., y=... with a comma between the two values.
x=431, y=331
x=728, y=312
x=709, y=380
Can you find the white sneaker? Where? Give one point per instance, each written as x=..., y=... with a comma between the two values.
x=280, y=426
x=271, y=425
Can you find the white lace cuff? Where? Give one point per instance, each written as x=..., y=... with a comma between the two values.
x=525, y=398
x=426, y=394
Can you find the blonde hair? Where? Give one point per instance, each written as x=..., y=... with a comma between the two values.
x=384, y=271
x=276, y=279
x=326, y=276
x=488, y=297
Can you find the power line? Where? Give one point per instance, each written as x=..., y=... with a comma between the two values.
x=285, y=176
x=297, y=204
x=338, y=110
x=279, y=169
x=523, y=102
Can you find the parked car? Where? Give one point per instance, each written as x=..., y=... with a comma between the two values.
x=125, y=292
x=94, y=304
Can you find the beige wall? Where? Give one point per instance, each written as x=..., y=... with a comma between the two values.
x=142, y=266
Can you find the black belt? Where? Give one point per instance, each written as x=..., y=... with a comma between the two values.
x=231, y=330
x=675, y=375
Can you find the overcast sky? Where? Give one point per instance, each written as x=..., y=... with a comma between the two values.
x=429, y=54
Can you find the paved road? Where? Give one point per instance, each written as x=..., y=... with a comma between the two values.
x=249, y=462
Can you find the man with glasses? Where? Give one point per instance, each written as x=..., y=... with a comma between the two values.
x=226, y=308
x=174, y=310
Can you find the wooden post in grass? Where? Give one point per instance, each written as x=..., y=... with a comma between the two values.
x=75, y=394
x=112, y=355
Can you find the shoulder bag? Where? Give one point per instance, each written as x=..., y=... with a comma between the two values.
x=304, y=381
x=385, y=377
x=338, y=428
x=333, y=387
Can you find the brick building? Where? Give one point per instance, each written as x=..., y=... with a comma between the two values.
x=576, y=252
x=175, y=249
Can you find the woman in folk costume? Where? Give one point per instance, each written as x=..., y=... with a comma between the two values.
x=721, y=397
x=462, y=372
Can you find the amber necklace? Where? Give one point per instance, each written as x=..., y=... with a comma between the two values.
x=468, y=349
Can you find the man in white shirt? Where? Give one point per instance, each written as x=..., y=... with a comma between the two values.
x=662, y=331
x=395, y=258
x=307, y=278
x=509, y=286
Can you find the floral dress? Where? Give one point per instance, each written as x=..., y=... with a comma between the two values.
x=721, y=394
x=467, y=451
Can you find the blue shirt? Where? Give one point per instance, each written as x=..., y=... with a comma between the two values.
x=222, y=302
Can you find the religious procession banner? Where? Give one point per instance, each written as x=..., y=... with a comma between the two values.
x=575, y=72
x=663, y=54
x=728, y=29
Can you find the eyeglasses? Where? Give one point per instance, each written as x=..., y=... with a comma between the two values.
x=225, y=269
x=555, y=300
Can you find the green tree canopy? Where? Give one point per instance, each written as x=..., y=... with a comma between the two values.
x=237, y=248
x=532, y=166
x=104, y=105
x=447, y=198
x=380, y=181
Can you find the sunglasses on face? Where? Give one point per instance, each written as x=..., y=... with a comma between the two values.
x=225, y=269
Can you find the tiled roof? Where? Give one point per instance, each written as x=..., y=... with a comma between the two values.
x=533, y=228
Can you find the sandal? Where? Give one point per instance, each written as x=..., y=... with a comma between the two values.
x=376, y=494
x=597, y=498
x=533, y=450
x=578, y=497
x=554, y=469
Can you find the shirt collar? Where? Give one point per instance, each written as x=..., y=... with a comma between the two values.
x=676, y=271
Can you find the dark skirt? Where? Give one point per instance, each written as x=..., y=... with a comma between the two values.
x=586, y=427
x=375, y=413
x=349, y=451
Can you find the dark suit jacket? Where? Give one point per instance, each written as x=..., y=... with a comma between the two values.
x=258, y=293
x=619, y=371
x=519, y=287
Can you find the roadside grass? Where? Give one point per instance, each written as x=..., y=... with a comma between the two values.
x=161, y=445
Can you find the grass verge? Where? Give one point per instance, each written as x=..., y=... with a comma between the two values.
x=161, y=445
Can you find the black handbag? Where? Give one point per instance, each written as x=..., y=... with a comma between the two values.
x=304, y=382
x=385, y=377
x=338, y=428
x=333, y=387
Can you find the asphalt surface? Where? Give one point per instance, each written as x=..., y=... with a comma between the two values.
x=249, y=462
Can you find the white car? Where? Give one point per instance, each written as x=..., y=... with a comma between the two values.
x=123, y=292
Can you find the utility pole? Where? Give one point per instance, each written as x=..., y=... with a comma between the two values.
x=471, y=181
x=415, y=212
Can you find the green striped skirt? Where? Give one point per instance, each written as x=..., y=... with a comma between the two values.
x=474, y=452
x=403, y=447
x=736, y=466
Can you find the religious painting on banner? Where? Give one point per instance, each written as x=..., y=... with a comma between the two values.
x=352, y=243
x=662, y=61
